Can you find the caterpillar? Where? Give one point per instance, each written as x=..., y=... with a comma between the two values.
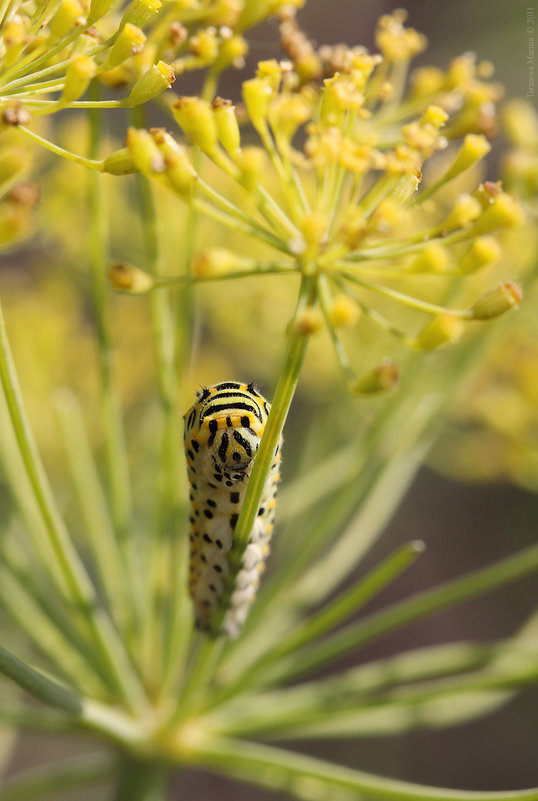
x=223, y=430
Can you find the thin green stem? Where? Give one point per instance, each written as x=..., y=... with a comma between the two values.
x=56, y=779
x=407, y=300
x=415, y=608
x=36, y=624
x=350, y=601
x=93, y=503
x=118, y=480
x=279, y=410
x=245, y=221
x=284, y=770
x=281, y=402
x=169, y=553
x=38, y=685
x=92, y=164
x=81, y=590
x=262, y=268
x=37, y=719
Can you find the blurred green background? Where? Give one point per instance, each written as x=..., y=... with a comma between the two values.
x=464, y=526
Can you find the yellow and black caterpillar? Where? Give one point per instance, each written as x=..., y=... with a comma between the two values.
x=223, y=430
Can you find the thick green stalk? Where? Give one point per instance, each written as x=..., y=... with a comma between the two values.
x=205, y=661
x=141, y=781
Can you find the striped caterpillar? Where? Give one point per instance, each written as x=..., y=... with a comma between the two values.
x=223, y=430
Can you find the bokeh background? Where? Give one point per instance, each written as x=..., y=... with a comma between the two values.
x=465, y=526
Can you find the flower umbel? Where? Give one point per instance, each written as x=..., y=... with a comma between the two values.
x=338, y=181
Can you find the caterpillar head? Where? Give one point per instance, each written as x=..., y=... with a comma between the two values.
x=234, y=448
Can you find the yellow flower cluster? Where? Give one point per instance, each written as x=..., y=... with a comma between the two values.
x=51, y=52
x=364, y=180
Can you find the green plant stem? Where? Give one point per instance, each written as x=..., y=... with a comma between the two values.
x=38, y=685
x=170, y=549
x=109, y=646
x=94, y=508
x=92, y=164
x=293, y=773
x=407, y=300
x=141, y=781
x=115, y=446
x=279, y=410
x=35, y=623
x=56, y=779
x=351, y=600
x=37, y=719
x=414, y=608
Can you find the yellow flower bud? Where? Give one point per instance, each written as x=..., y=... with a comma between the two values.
x=196, y=118
x=227, y=125
x=252, y=162
x=79, y=73
x=465, y=211
x=426, y=82
x=272, y=70
x=179, y=170
x=381, y=379
x=205, y=45
x=520, y=173
x=218, y=261
x=502, y=211
x=120, y=162
x=232, y=50
x=339, y=96
x=225, y=12
x=144, y=152
x=286, y=113
x=70, y=15
x=129, y=42
x=474, y=148
x=308, y=321
x=14, y=37
x=314, y=230
x=396, y=42
x=343, y=312
x=126, y=278
x=521, y=124
x=433, y=259
x=434, y=116
x=98, y=9
x=152, y=83
x=507, y=295
x=257, y=93
x=484, y=251
x=140, y=12
x=254, y=12
x=444, y=329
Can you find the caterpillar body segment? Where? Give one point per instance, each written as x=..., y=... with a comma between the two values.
x=223, y=430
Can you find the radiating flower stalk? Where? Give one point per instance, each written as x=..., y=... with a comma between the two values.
x=359, y=186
